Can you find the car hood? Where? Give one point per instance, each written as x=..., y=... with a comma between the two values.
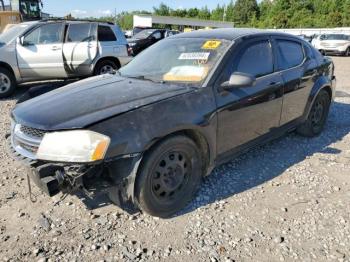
x=86, y=102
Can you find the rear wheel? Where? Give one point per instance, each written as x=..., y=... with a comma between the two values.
x=316, y=121
x=106, y=67
x=347, y=52
x=169, y=177
x=7, y=83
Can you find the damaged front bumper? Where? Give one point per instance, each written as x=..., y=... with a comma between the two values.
x=115, y=177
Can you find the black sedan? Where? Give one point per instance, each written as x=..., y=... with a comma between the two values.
x=149, y=133
x=145, y=39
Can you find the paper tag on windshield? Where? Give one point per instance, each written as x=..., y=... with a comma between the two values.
x=194, y=56
x=211, y=44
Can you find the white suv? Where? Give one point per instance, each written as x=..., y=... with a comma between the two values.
x=333, y=44
x=44, y=50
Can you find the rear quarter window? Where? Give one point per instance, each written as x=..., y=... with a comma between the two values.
x=290, y=54
x=106, y=34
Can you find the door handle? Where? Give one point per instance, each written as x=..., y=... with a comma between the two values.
x=275, y=83
x=55, y=48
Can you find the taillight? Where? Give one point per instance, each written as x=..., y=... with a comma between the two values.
x=130, y=52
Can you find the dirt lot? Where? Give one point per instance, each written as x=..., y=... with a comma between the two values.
x=288, y=200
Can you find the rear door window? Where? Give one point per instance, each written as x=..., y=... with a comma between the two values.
x=256, y=59
x=106, y=34
x=290, y=54
x=80, y=33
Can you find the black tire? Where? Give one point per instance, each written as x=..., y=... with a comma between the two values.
x=100, y=67
x=169, y=177
x=8, y=83
x=318, y=115
x=347, y=52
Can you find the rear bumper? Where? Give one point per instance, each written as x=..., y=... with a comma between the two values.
x=333, y=51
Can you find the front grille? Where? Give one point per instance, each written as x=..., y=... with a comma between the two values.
x=33, y=132
x=26, y=140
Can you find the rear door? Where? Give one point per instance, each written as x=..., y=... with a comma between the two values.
x=245, y=114
x=39, y=55
x=298, y=70
x=80, y=48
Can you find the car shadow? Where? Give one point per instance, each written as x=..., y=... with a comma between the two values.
x=269, y=161
x=259, y=165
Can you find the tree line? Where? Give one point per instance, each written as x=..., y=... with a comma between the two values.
x=265, y=14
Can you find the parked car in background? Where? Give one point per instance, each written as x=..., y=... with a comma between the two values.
x=148, y=37
x=35, y=51
x=169, y=33
x=338, y=44
x=306, y=38
x=148, y=134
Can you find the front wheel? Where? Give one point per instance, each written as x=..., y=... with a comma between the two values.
x=169, y=177
x=7, y=83
x=318, y=115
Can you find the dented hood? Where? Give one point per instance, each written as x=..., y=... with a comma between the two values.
x=92, y=100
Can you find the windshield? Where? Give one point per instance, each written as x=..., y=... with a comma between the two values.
x=144, y=34
x=185, y=60
x=335, y=37
x=12, y=33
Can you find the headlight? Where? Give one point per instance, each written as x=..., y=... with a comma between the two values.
x=80, y=146
x=132, y=44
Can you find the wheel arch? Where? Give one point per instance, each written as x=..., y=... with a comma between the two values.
x=107, y=58
x=321, y=85
x=8, y=67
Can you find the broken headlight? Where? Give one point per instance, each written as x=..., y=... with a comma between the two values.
x=79, y=146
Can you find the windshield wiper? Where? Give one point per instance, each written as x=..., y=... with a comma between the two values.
x=142, y=77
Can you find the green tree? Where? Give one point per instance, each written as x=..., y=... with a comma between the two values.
x=346, y=13
x=192, y=12
x=204, y=13
x=230, y=11
x=162, y=10
x=217, y=13
x=244, y=11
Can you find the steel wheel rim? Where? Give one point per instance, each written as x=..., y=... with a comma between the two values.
x=5, y=83
x=317, y=113
x=106, y=69
x=170, y=176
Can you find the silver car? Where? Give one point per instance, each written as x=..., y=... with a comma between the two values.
x=44, y=50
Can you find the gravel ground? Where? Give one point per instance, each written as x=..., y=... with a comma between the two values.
x=288, y=200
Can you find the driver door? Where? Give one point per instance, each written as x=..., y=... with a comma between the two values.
x=247, y=113
x=39, y=53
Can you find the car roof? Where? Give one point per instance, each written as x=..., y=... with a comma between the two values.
x=229, y=33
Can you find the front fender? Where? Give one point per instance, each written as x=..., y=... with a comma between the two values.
x=137, y=130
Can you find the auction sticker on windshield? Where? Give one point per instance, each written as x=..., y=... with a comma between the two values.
x=195, y=56
x=211, y=44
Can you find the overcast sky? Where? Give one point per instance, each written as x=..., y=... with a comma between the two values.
x=84, y=8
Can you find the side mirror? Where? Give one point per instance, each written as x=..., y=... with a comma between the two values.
x=20, y=40
x=239, y=80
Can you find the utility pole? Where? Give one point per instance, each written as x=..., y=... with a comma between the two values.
x=225, y=13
